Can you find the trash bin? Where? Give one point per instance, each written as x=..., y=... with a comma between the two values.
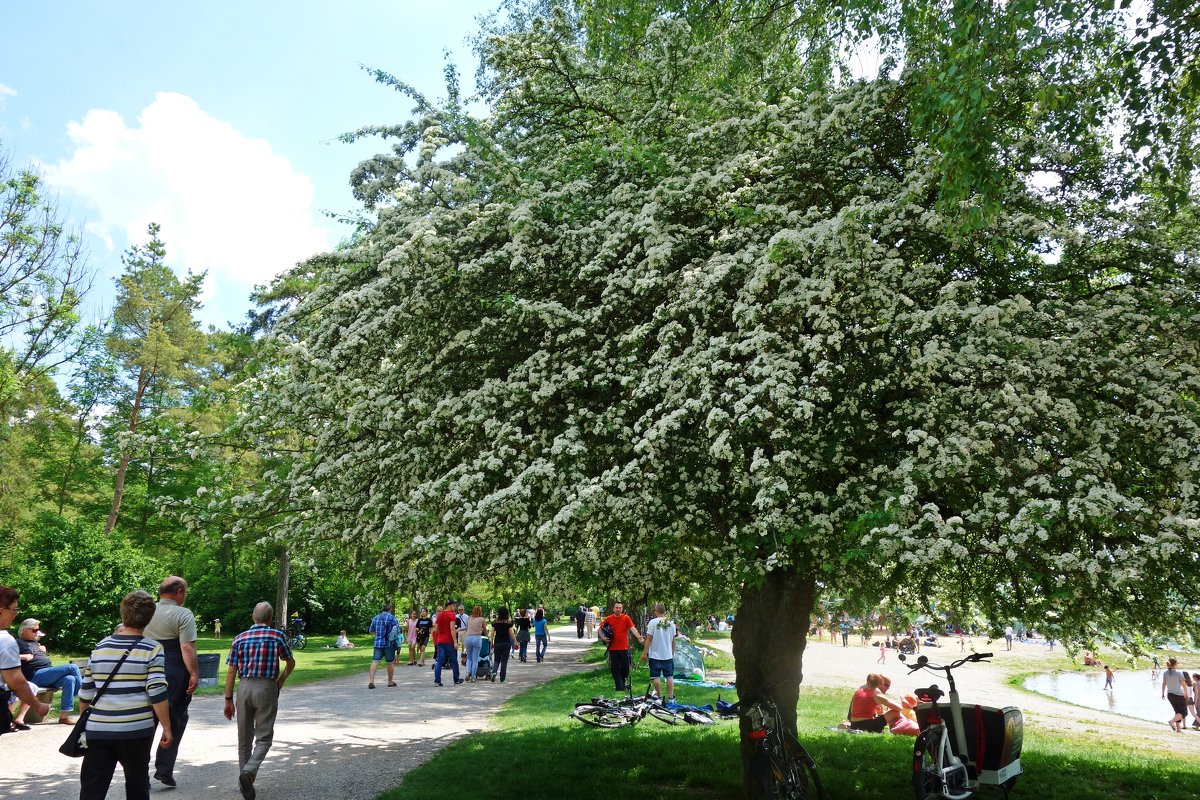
x=209, y=663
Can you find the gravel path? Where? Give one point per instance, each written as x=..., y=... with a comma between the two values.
x=332, y=738
x=338, y=739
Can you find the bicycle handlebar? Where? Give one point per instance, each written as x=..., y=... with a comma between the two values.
x=923, y=662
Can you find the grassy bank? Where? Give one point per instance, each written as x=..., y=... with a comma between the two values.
x=543, y=751
x=313, y=663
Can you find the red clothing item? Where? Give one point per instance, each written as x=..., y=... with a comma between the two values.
x=864, y=704
x=445, y=628
x=620, y=625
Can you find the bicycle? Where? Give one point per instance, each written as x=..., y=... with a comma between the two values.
x=784, y=767
x=295, y=636
x=629, y=710
x=954, y=755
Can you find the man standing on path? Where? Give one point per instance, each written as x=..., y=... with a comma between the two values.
x=11, y=679
x=844, y=628
x=385, y=644
x=589, y=620
x=174, y=627
x=444, y=628
x=660, y=651
x=618, y=645
x=1008, y=634
x=254, y=657
x=579, y=620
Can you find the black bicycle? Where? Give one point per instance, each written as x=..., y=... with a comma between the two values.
x=784, y=767
x=629, y=710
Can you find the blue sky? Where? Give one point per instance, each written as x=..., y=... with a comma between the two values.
x=217, y=120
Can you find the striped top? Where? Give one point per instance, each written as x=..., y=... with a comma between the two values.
x=124, y=710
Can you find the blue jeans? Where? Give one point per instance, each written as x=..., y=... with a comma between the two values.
x=540, y=649
x=522, y=646
x=473, y=643
x=440, y=653
x=67, y=677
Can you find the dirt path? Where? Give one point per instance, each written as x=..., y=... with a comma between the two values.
x=332, y=739
x=338, y=739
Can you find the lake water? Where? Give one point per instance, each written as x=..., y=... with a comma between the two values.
x=1134, y=694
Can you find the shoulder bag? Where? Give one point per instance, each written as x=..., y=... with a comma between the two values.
x=76, y=744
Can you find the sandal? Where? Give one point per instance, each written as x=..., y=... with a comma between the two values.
x=390, y=685
x=19, y=726
x=370, y=686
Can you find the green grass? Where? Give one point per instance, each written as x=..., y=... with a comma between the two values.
x=541, y=746
x=312, y=663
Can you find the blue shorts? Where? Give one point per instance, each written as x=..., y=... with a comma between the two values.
x=662, y=667
x=387, y=654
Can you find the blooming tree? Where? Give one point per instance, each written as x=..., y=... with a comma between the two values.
x=633, y=329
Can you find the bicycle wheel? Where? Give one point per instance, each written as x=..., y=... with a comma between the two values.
x=601, y=716
x=926, y=779
x=664, y=715
x=793, y=772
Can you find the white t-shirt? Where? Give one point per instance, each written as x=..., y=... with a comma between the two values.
x=10, y=656
x=342, y=641
x=663, y=631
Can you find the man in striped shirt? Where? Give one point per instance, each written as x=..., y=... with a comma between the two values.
x=254, y=657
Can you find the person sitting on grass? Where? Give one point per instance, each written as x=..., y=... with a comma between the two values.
x=871, y=709
x=343, y=642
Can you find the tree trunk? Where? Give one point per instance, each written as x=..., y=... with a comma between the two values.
x=119, y=483
x=769, y=635
x=281, y=589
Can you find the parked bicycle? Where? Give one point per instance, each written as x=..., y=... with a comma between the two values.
x=295, y=635
x=956, y=753
x=784, y=767
x=629, y=710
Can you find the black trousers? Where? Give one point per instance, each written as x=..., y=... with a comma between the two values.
x=618, y=663
x=178, y=701
x=500, y=653
x=579, y=626
x=101, y=761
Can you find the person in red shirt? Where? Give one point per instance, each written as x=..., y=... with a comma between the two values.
x=444, y=643
x=618, y=645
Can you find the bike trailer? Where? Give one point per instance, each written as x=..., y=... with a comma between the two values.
x=997, y=733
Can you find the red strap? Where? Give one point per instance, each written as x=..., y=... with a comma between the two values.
x=979, y=737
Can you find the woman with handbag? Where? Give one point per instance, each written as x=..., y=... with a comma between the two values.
x=124, y=693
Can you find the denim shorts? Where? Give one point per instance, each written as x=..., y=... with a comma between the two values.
x=662, y=667
x=387, y=654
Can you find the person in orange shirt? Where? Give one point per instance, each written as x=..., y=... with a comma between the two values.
x=620, y=626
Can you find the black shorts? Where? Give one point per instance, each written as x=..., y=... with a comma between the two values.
x=875, y=725
x=1178, y=703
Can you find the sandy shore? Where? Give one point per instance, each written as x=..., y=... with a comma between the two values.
x=830, y=665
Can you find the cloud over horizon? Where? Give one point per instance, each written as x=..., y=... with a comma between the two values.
x=226, y=202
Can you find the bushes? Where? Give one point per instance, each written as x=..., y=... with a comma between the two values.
x=72, y=577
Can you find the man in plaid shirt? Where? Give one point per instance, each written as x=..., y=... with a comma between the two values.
x=254, y=657
x=382, y=626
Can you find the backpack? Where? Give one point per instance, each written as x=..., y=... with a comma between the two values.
x=607, y=633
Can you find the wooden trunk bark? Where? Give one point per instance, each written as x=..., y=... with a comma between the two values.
x=769, y=635
x=281, y=589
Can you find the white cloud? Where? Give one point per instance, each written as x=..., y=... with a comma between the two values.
x=226, y=203
x=5, y=93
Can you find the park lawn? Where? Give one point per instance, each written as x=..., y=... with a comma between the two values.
x=543, y=750
x=313, y=663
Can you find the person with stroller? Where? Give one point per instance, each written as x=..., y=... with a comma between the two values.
x=476, y=630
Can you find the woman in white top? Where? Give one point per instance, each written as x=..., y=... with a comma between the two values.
x=343, y=641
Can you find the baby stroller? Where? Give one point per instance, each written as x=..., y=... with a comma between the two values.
x=483, y=670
